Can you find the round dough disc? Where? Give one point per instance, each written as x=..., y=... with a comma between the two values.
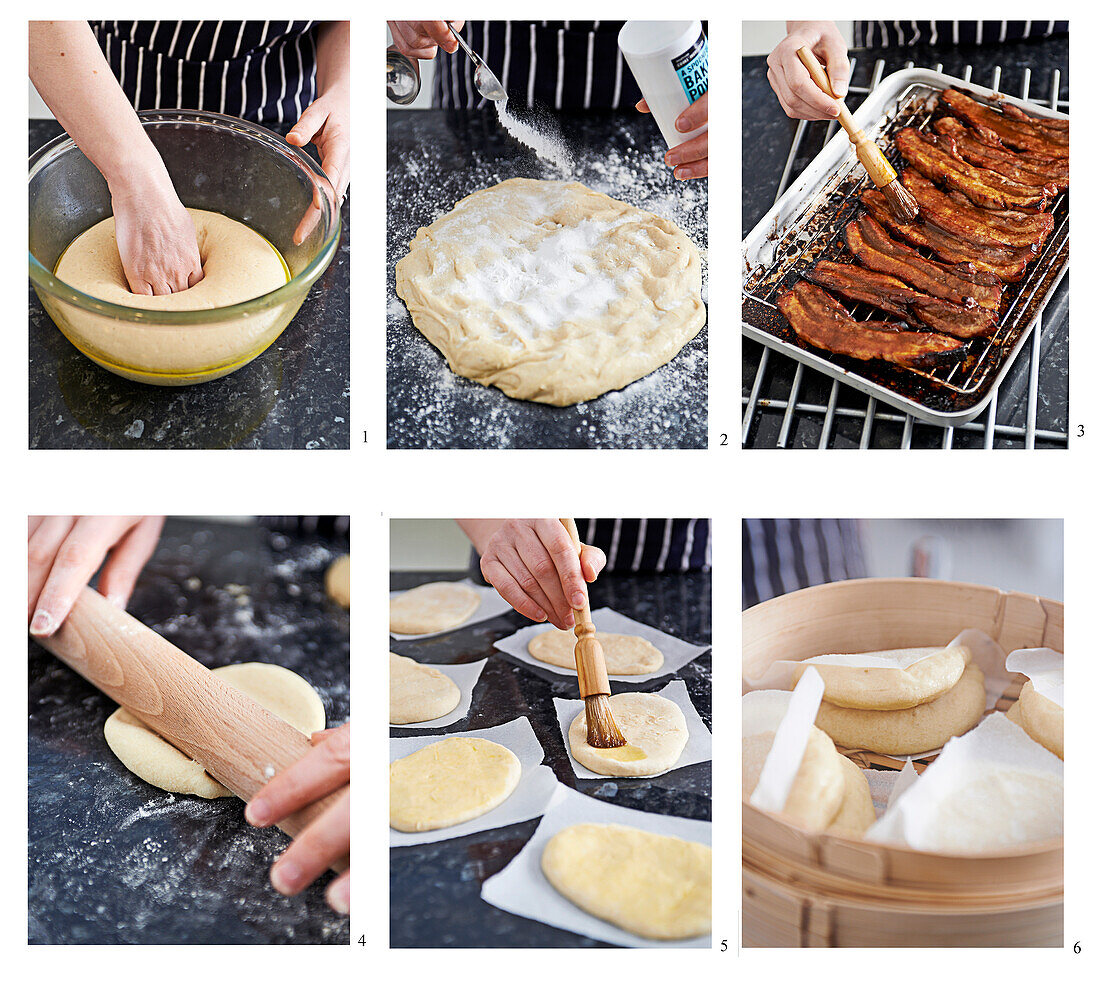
x=434, y=606
x=911, y=730
x=338, y=581
x=928, y=673
x=651, y=724
x=624, y=654
x=650, y=885
x=449, y=782
x=419, y=693
x=551, y=291
x=157, y=761
x=1042, y=719
x=818, y=788
x=857, y=810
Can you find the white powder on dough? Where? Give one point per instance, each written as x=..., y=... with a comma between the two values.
x=546, y=147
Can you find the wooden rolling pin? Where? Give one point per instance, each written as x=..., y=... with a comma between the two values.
x=238, y=742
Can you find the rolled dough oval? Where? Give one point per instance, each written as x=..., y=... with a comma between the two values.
x=449, y=782
x=624, y=654
x=338, y=581
x=551, y=291
x=419, y=693
x=911, y=730
x=651, y=885
x=157, y=761
x=1042, y=719
x=818, y=789
x=928, y=673
x=653, y=724
x=857, y=810
x=434, y=606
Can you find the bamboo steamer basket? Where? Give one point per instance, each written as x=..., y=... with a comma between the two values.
x=803, y=889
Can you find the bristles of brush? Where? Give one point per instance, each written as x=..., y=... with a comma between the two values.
x=603, y=733
x=903, y=206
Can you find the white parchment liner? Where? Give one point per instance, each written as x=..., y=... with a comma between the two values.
x=532, y=794
x=698, y=745
x=1044, y=667
x=492, y=605
x=465, y=676
x=522, y=889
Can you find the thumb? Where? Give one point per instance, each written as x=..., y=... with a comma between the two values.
x=836, y=65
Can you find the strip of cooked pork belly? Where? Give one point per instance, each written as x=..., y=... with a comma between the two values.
x=1006, y=263
x=1046, y=124
x=965, y=284
x=936, y=158
x=1011, y=131
x=822, y=321
x=970, y=146
x=894, y=297
x=976, y=225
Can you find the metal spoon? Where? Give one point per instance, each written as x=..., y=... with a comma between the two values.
x=484, y=79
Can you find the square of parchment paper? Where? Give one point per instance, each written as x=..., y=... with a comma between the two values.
x=522, y=889
x=677, y=653
x=534, y=791
x=492, y=605
x=698, y=745
x=465, y=676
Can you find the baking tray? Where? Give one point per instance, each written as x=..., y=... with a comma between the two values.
x=804, y=225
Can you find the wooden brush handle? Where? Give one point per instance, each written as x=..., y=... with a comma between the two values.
x=238, y=742
x=870, y=156
x=588, y=655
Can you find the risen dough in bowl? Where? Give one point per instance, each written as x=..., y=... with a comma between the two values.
x=551, y=291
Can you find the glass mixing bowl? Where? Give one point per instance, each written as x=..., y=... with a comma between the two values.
x=217, y=163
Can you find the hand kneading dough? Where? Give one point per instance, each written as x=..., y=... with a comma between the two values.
x=157, y=761
x=649, y=723
x=929, y=673
x=1042, y=719
x=819, y=786
x=624, y=654
x=338, y=581
x=857, y=810
x=650, y=885
x=419, y=693
x=434, y=606
x=551, y=291
x=911, y=730
x=449, y=782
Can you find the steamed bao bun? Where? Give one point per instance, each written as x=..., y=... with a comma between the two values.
x=1041, y=718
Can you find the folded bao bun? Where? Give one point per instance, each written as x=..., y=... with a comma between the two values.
x=857, y=811
x=1041, y=718
x=818, y=789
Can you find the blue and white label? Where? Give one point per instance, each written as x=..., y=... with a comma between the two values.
x=691, y=68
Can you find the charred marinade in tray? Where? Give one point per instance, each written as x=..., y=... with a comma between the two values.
x=983, y=178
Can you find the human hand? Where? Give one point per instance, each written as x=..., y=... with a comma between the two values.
x=800, y=97
x=532, y=563
x=420, y=39
x=155, y=235
x=63, y=553
x=324, y=769
x=690, y=157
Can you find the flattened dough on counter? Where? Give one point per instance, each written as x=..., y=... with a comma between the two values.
x=338, y=581
x=624, y=654
x=449, y=782
x=650, y=885
x=157, y=761
x=419, y=693
x=652, y=725
x=434, y=606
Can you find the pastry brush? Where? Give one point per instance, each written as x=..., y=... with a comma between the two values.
x=603, y=733
x=882, y=174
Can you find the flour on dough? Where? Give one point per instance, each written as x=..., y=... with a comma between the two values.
x=419, y=693
x=624, y=654
x=434, y=606
x=650, y=885
x=153, y=759
x=338, y=581
x=449, y=782
x=551, y=291
x=650, y=724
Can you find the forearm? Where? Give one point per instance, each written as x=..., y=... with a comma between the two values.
x=333, y=56
x=76, y=83
x=480, y=530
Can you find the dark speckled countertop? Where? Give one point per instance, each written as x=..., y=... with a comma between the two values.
x=295, y=396
x=113, y=860
x=768, y=133
x=435, y=888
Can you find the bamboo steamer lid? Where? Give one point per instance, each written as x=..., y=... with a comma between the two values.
x=805, y=888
